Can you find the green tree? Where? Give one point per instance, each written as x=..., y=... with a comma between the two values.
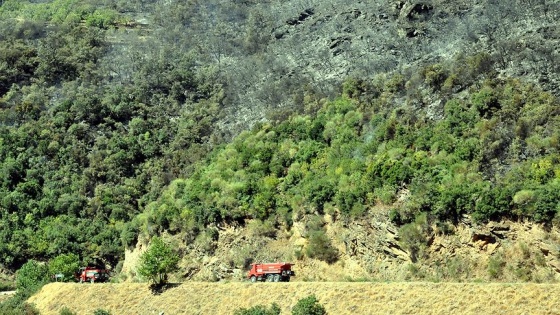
x=308, y=306
x=65, y=264
x=31, y=276
x=158, y=261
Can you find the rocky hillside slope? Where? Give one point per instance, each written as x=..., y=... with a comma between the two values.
x=273, y=53
x=372, y=249
x=337, y=298
x=187, y=76
x=270, y=54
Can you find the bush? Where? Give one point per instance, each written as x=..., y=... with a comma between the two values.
x=485, y=102
x=31, y=277
x=66, y=311
x=434, y=75
x=101, y=312
x=320, y=247
x=259, y=310
x=262, y=228
x=413, y=236
x=308, y=306
x=207, y=240
x=65, y=264
x=492, y=204
x=101, y=18
x=546, y=205
x=17, y=305
x=495, y=267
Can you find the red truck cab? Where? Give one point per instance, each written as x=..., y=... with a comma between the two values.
x=92, y=274
x=271, y=272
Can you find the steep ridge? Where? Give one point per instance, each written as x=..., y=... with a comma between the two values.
x=337, y=298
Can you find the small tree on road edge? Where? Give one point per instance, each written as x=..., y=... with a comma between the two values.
x=158, y=260
x=65, y=264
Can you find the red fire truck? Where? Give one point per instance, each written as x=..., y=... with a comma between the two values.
x=92, y=274
x=271, y=272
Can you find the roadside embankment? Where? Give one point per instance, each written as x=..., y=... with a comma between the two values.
x=337, y=297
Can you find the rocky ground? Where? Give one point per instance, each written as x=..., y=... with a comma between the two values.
x=373, y=249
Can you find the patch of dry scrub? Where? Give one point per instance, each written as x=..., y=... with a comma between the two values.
x=337, y=297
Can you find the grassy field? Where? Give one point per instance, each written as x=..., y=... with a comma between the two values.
x=337, y=297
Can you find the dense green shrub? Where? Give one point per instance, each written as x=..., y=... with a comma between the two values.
x=493, y=203
x=259, y=310
x=101, y=312
x=59, y=11
x=101, y=18
x=66, y=311
x=547, y=203
x=31, y=277
x=308, y=306
x=485, y=102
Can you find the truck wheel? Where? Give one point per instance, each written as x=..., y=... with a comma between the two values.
x=269, y=278
x=253, y=279
x=92, y=280
x=277, y=278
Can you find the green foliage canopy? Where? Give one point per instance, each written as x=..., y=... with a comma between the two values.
x=65, y=264
x=353, y=154
x=31, y=276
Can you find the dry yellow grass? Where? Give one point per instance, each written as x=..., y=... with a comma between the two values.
x=337, y=297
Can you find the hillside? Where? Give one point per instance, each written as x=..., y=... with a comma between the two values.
x=374, y=250
x=338, y=298
x=409, y=140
